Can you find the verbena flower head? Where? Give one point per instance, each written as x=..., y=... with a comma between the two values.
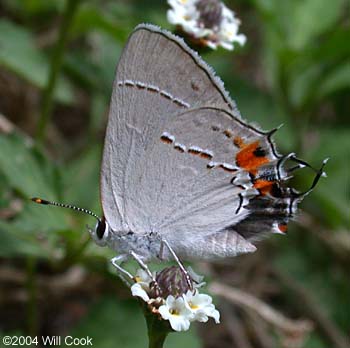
x=209, y=22
x=173, y=298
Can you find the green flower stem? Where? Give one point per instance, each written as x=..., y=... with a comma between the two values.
x=158, y=330
x=55, y=67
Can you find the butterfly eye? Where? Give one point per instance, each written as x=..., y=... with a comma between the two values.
x=101, y=229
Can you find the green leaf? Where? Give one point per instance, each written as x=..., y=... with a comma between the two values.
x=4, y=192
x=334, y=45
x=106, y=54
x=115, y=323
x=21, y=167
x=33, y=7
x=33, y=231
x=311, y=18
x=305, y=76
x=107, y=19
x=19, y=53
x=40, y=218
x=99, y=108
x=28, y=172
x=80, y=68
x=96, y=70
x=333, y=192
x=335, y=80
x=15, y=243
x=81, y=179
x=298, y=22
x=313, y=76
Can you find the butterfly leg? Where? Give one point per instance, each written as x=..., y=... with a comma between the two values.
x=319, y=174
x=180, y=264
x=146, y=269
x=123, y=274
x=142, y=264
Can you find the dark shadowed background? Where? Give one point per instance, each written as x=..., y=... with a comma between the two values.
x=294, y=69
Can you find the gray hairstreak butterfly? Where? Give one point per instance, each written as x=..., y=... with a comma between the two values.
x=180, y=168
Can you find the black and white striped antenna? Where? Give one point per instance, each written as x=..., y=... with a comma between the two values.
x=68, y=206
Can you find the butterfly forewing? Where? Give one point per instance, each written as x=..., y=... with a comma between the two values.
x=157, y=77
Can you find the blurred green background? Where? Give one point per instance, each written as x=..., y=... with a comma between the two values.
x=294, y=69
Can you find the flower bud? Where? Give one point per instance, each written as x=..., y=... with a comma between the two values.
x=171, y=281
x=210, y=13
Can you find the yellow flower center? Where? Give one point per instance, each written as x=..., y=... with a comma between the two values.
x=174, y=312
x=193, y=306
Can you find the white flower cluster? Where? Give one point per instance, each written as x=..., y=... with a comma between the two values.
x=209, y=21
x=180, y=311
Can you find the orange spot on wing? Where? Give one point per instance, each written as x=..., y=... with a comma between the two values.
x=264, y=186
x=205, y=155
x=283, y=228
x=165, y=139
x=238, y=141
x=179, y=148
x=227, y=133
x=248, y=160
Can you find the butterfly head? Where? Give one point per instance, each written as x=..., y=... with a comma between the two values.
x=101, y=231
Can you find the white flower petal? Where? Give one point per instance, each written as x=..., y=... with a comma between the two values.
x=211, y=44
x=179, y=324
x=201, y=306
x=227, y=45
x=198, y=300
x=170, y=301
x=215, y=314
x=202, y=299
x=200, y=316
x=164, y=312
x=226, y=12
x=241, y=39
x=172, y=17
x=177, y=313
x=137, y=290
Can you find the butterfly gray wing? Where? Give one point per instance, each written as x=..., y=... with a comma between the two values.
x=181, y=187
x=179, y=161
x=171, y=148
x=157, y=77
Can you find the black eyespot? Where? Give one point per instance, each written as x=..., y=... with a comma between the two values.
x=259, y=152
x=100, y=229
x=276, y=191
